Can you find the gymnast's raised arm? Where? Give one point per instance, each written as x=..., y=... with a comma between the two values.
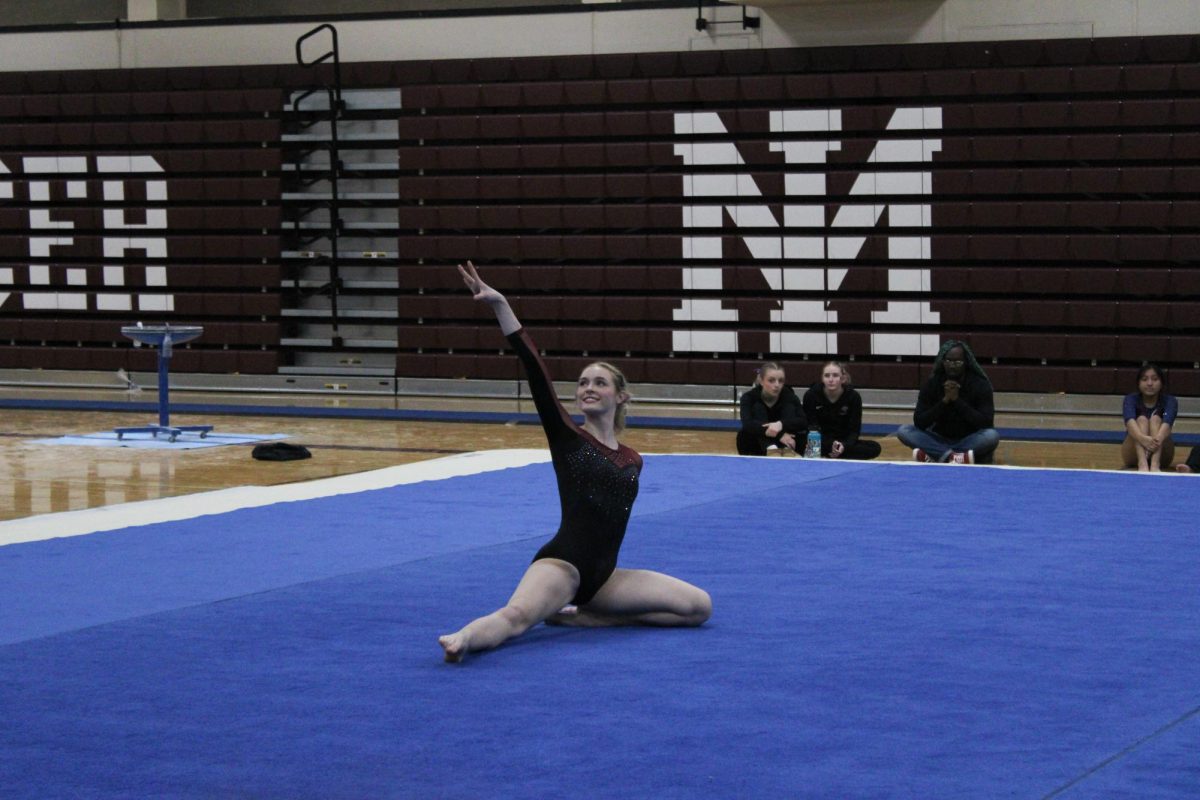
x=556, y=421
x=481, y=291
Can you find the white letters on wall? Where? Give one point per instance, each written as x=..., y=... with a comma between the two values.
x=6, y=193
x=806, y=192
x=68, y=288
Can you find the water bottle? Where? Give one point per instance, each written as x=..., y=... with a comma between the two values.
x=812, y=448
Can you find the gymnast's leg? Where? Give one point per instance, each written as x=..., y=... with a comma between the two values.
x=546, y=587
x=642, y=597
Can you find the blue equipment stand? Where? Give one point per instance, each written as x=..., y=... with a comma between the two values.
x=163, y=337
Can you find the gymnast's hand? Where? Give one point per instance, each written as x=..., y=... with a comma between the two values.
x=479, y=289
x=509, y=323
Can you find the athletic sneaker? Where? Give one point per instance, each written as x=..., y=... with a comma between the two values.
x=921, y=456
x=962, y=458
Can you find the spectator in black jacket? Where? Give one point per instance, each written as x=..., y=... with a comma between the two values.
x=955, y=411
x=832, y=406
x=771, y=413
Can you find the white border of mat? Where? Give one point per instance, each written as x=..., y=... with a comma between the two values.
x=147, y=512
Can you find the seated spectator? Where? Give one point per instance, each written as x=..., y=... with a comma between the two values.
x=771, y=413
x=955, y=411
x=835, y=408
x=1149, y=414
x=1193, y=462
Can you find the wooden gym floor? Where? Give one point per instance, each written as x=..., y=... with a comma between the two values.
x=41, y=479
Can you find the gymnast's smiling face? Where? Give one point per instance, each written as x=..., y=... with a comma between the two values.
x=596, y=393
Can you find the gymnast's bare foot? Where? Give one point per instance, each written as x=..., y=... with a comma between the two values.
x=454, y=645
x=1182, y=468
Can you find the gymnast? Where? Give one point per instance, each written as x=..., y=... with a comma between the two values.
x=574, y=579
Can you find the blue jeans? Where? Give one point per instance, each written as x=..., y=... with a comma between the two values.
x=983, y=442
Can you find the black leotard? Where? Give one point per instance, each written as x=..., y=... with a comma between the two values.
x=596, y=484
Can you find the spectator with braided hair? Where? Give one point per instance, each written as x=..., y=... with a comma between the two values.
x=954, y=418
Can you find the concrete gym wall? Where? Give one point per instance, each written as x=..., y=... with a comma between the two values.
x=608, y=29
